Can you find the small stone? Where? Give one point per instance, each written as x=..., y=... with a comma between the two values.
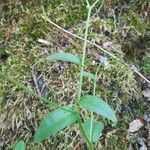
x=135, y=125
x=146, y=93
x=44, y=42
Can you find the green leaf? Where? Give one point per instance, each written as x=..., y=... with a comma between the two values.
x=88, y=75
x=96, y=129
x=97, y=105
x=20, y=145
x=65, y=57
x=54, y=122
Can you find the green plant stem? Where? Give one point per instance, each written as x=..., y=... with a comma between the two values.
x=83, y=56
x=87, y=2
x=93, y=5
x=81, y=77
x=94, y=90
x=82, y=68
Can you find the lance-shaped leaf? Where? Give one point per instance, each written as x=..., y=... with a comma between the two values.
x=88, y=75
x=54, y=122
x=20, y=145
x=97, y=105
x=93, y=129
x=65, y=57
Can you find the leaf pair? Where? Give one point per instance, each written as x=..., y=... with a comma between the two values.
x=60, y=119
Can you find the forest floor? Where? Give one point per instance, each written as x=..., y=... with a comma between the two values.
x=26, y=39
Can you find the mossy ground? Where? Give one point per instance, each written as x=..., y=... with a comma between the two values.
x=22, y=57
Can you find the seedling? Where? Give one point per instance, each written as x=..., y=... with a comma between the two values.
x=91, y=129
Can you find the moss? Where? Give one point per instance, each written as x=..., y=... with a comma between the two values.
x=116, y=142
x=21, y=112
x=146, y=65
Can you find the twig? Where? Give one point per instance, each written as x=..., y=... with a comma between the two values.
x=35, y=82
x=77, y=145
x=97, y=46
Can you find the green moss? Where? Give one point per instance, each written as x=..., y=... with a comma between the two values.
x=117, y=85
x=116, y=142
x=146, y=65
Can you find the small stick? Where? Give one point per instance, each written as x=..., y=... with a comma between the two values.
x=35, y=82
x=77, y=145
